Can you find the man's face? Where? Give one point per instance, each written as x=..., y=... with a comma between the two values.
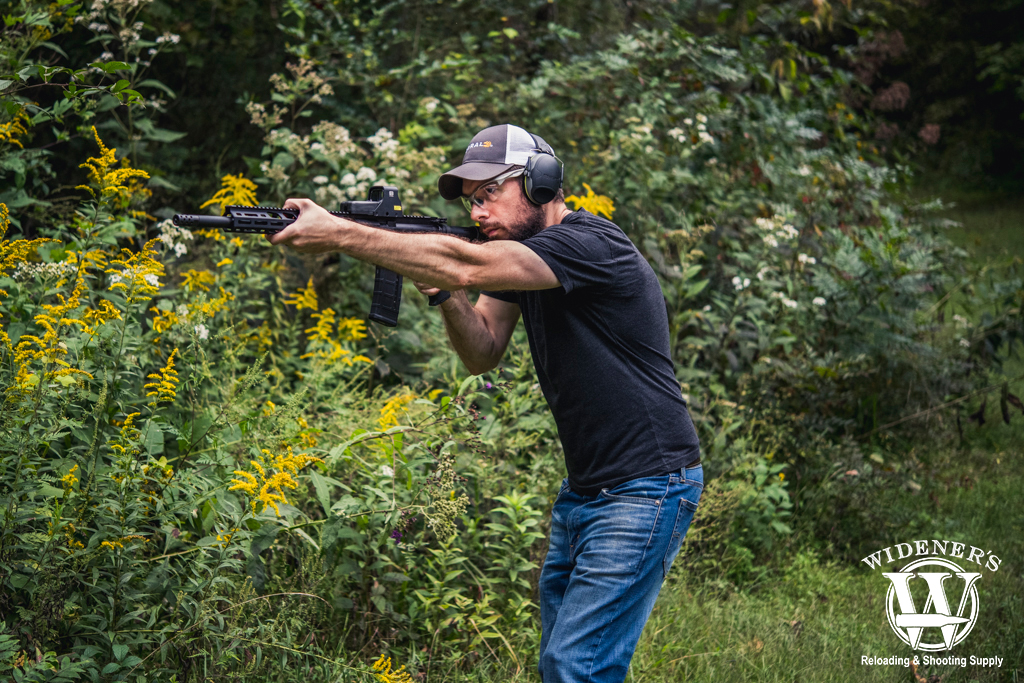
x=509, y=215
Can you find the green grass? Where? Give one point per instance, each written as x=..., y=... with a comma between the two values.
x=991, y=226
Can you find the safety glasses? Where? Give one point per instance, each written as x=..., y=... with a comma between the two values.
x=491, y=191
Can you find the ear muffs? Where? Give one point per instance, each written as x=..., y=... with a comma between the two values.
x=543, y=177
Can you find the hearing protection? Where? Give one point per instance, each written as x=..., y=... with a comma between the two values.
x=543, y=176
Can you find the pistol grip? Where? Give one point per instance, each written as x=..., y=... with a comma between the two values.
x=387, y=297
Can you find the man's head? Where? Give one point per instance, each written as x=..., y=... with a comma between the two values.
x=510, y=181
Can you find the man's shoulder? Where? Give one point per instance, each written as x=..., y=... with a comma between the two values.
x=584, y=217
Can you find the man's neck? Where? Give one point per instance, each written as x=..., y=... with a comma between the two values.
x=554, y=212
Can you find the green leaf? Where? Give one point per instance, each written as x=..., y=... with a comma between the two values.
x=4, y=83
x=510, y=32
x=111, y=67
x=120, y=85
x=120, y=651
x=153, y=83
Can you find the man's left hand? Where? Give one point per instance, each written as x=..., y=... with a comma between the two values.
x=314, y=232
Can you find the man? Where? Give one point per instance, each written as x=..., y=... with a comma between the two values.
x=598, y=331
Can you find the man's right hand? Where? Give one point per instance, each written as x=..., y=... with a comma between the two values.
x=427, y=289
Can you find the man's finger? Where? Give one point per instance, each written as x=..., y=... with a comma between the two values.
x=283, y=235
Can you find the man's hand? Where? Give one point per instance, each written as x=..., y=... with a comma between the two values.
x=424, y=288
x=314, y=232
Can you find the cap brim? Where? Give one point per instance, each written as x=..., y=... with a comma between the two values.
x=449, y=185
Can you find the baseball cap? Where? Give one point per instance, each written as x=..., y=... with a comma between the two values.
x=490, y=153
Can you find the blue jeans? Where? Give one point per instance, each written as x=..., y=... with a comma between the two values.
x=606, y=561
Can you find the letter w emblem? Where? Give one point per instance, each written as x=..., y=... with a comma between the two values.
x=942, y=617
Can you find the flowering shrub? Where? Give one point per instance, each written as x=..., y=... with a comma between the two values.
x=164, y=410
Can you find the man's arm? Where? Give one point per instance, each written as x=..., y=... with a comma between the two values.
x=480, y=333
x=445, y=262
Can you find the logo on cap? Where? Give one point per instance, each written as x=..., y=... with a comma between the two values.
x=479, y=144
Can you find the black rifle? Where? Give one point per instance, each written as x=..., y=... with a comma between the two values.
x=382, y=210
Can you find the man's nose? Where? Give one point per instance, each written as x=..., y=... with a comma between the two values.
x=479, y=213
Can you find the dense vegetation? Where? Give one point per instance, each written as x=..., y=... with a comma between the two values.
x=212, y=466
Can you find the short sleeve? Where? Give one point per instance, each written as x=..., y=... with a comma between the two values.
x=578, y=253
x=507, y=296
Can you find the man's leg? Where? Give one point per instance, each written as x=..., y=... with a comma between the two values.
x=621, y=545
x=554, y=576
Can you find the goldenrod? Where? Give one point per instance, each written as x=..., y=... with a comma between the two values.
x=597, y=204
x=164, y=384
x=236, y=190
x=268, y=491
x=393, y=408
x=305, y=298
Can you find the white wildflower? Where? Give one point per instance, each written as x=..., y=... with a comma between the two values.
x=320, y=179
x=387, y=471
x=366, y=173
x=789, y=303
x=804, y=170
x=347, y=180
x=964, y=343
x=771, y=241
x=805, y=259
x=706, y=308
x=702, y=118
x=151, y=280
x=202, y=331
x=180, y=250
x=818, y=301
x=688, y=121
x=182, y=310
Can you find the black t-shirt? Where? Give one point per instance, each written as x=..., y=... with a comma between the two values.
x=600, y=344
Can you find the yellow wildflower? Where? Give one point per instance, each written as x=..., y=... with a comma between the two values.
x=269, y=408
x=69, y=480
x=267, y=491
x=351, y=329
x=217, y=235
x=305, y=298
x=163, y=320
x=126, y=443
x=236, y=190
x=324, y=326
x=237, y=242
x=198, y=279
x=597, y=204
x=214, y=306
x=13, y=252
x=384, y=674
x=95, y=317
x=15, y=128
x=164, y=384
x=136, y=274
x=50, y=349
x=111, y=183
x=224, y=262
x=119, y=543
x=393, y=408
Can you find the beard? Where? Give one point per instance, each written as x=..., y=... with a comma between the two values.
x=529, y=221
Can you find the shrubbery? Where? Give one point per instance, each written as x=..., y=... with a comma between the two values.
x=210, y=465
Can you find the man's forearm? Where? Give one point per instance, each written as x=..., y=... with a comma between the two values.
x=439, y=260
x=468, y=332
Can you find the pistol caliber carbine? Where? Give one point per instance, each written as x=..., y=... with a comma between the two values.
x=383, y=210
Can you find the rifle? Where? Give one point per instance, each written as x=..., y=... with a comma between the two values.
x=383, y=210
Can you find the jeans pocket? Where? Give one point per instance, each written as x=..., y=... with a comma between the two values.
x=684, y=517
x=642, y=491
